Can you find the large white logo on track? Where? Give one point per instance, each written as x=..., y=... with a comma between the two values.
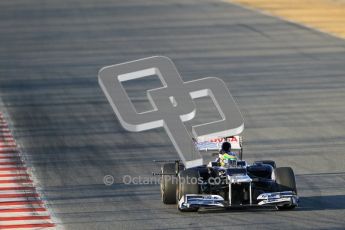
x=172, y=104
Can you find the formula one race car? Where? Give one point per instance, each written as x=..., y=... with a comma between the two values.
x=233, y=184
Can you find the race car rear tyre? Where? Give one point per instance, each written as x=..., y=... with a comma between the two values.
x=285, y=179
x=168, y=184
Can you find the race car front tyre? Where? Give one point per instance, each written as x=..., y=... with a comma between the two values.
x=188, y=183
x=168, y=183
x=285, y=179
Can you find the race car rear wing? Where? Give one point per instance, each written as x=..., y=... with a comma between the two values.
x=215, y=144
x=210, y=145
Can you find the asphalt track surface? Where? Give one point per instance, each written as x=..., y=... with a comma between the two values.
x=289, y=82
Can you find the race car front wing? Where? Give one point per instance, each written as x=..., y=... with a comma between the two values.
x=192, y=202
x=287, y=198
x=195, y=201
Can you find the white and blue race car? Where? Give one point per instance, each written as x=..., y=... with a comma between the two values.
x=234, y=183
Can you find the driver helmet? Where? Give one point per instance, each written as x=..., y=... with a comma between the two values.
x=226, y=147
